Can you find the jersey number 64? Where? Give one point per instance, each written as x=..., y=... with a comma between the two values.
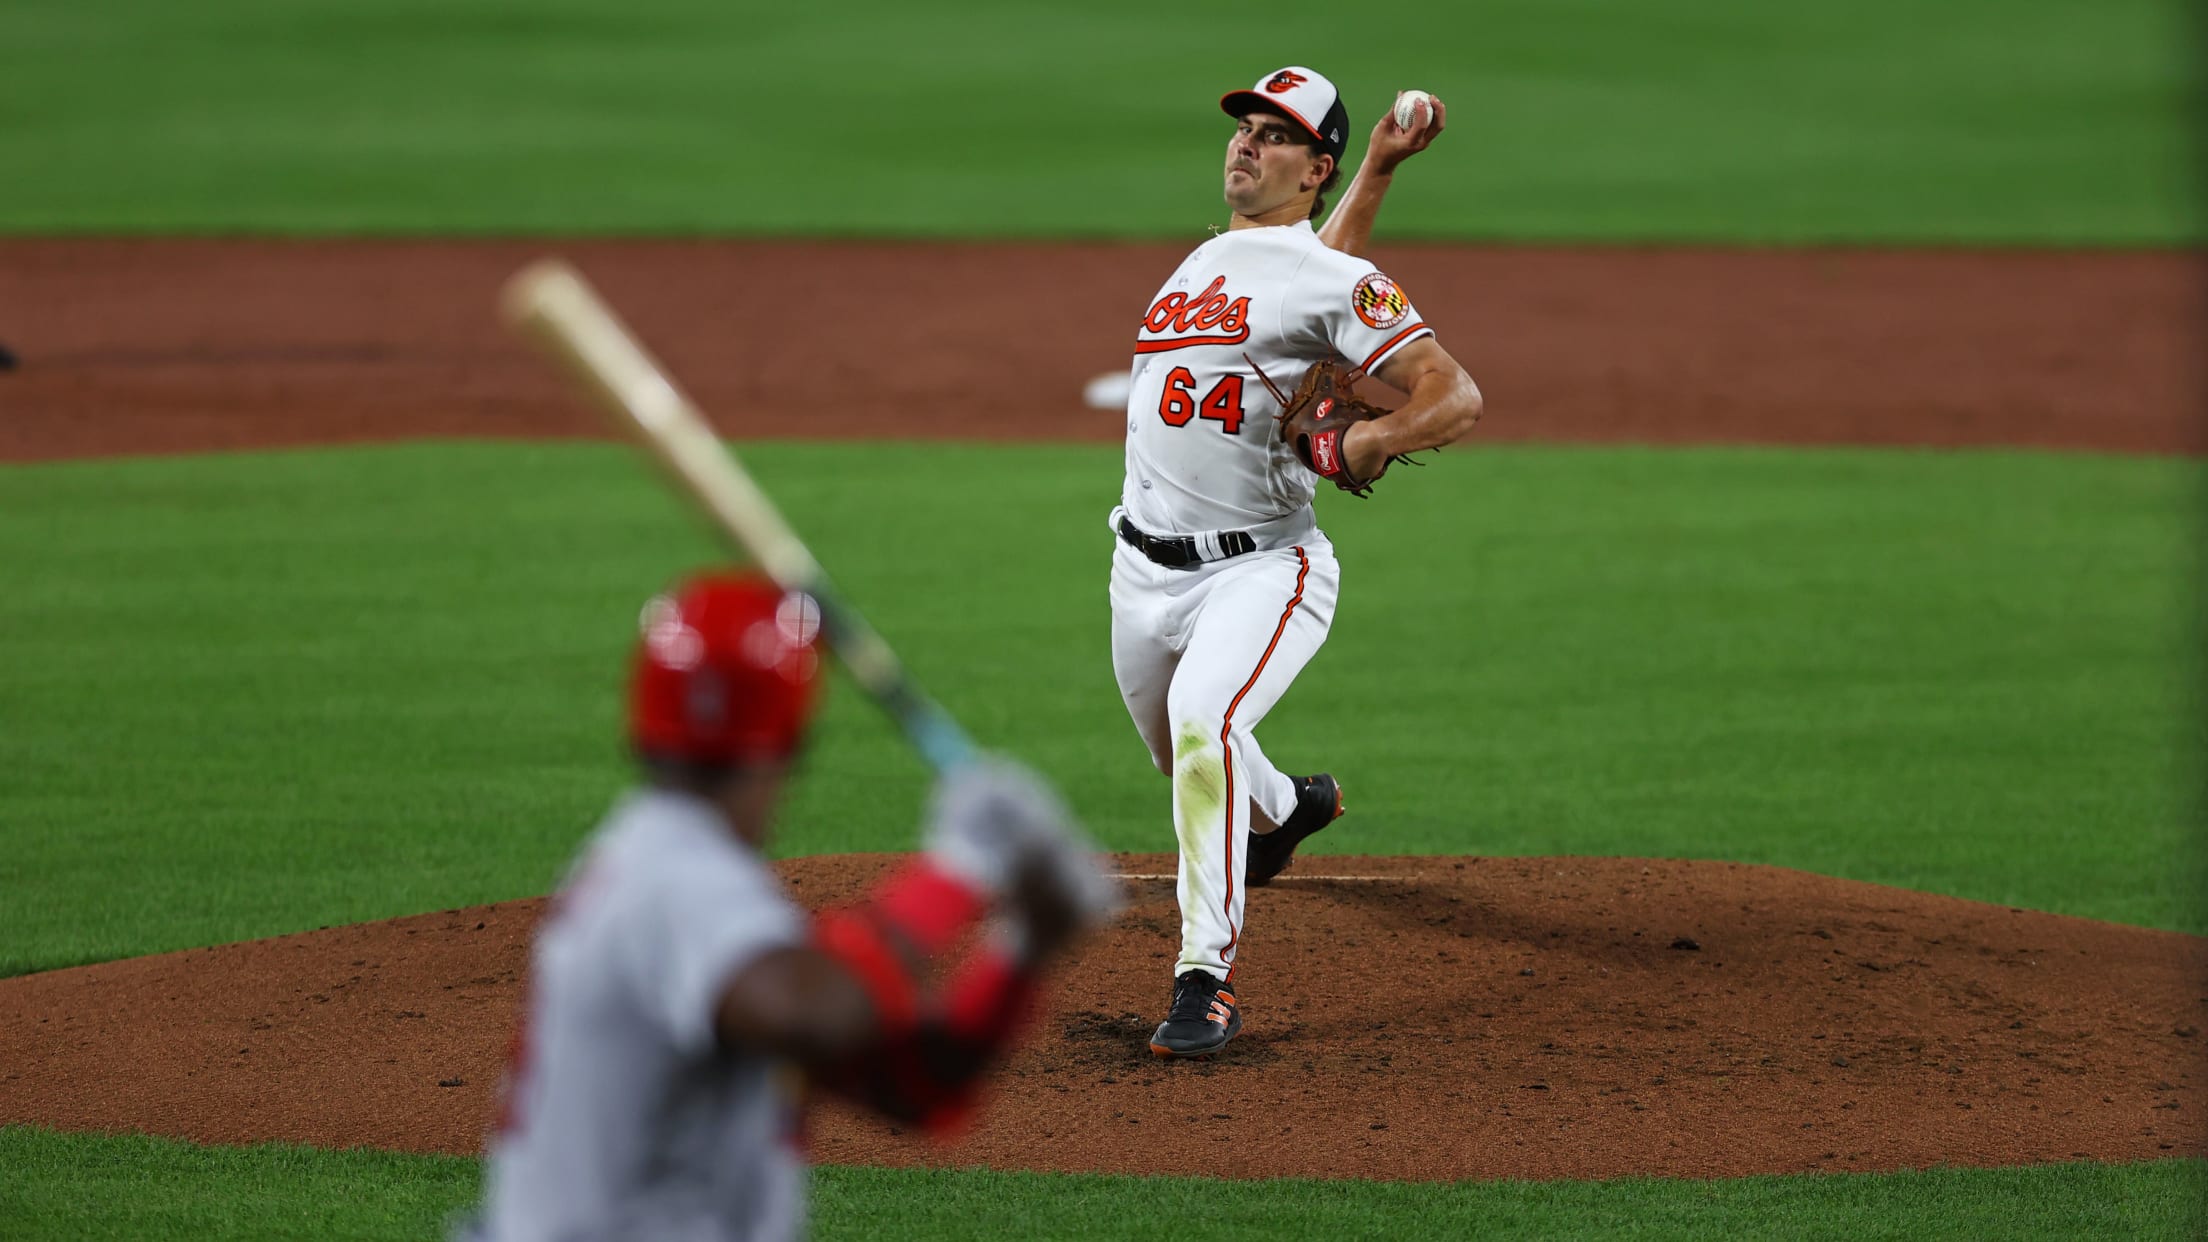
x=1223, y=402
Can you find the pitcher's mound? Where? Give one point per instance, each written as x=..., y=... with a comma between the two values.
x=1427, y=1018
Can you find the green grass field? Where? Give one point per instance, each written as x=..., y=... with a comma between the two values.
x=154, y=1190
x=2015, y=121
x=282, y=690
x=252, y=693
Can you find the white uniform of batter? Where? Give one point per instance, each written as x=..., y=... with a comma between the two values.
x=1203, y=653
x=624, y=1118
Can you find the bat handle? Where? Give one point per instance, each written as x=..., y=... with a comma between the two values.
x=878, y=672
x=938, y=738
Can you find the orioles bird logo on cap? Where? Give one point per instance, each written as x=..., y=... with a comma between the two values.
x=1284, y=81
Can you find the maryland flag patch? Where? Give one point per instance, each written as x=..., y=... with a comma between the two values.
x=1379, y=301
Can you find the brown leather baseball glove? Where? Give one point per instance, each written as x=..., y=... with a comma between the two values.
x=1314, y=418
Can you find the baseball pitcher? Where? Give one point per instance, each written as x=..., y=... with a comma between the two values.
x=1222, y=585
x=679, y=1001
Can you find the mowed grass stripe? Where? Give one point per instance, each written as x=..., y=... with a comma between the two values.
x=1726, y=121
x=255, y=693
x=151, y=1190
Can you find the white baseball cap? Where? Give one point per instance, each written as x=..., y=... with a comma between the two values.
x=1303, y=96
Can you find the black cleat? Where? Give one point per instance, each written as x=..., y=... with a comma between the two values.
x=1203, y=1017
x=1318, y=803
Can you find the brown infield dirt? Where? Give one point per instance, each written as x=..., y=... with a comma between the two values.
x=178, y=346
x=1416, y=1018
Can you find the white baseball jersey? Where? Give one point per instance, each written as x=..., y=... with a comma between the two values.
x=1202, y=654
x=624, y=1118
x=1203, y=450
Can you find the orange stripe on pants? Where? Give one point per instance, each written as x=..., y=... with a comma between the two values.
x=1226, y=747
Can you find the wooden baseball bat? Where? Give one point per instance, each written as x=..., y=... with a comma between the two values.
x=549, y=304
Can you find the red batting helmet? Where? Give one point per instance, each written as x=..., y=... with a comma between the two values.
x=727, y=669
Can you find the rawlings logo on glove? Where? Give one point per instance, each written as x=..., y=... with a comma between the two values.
x=1322, y=455
x=1314, y=418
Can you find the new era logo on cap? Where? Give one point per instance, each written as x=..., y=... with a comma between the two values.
x=1303, y=96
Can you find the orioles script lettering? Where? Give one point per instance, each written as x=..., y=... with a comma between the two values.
x=1209, y=318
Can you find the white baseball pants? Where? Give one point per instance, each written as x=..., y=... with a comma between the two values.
x=1201, y=655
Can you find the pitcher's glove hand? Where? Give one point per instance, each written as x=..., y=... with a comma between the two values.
x=1315, y=417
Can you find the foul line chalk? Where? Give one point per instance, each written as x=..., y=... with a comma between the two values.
x=1278, y=879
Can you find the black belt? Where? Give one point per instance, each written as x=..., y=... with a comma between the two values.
x=1181, y=551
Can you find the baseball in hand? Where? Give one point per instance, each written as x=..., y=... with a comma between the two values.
x=1413, y=109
